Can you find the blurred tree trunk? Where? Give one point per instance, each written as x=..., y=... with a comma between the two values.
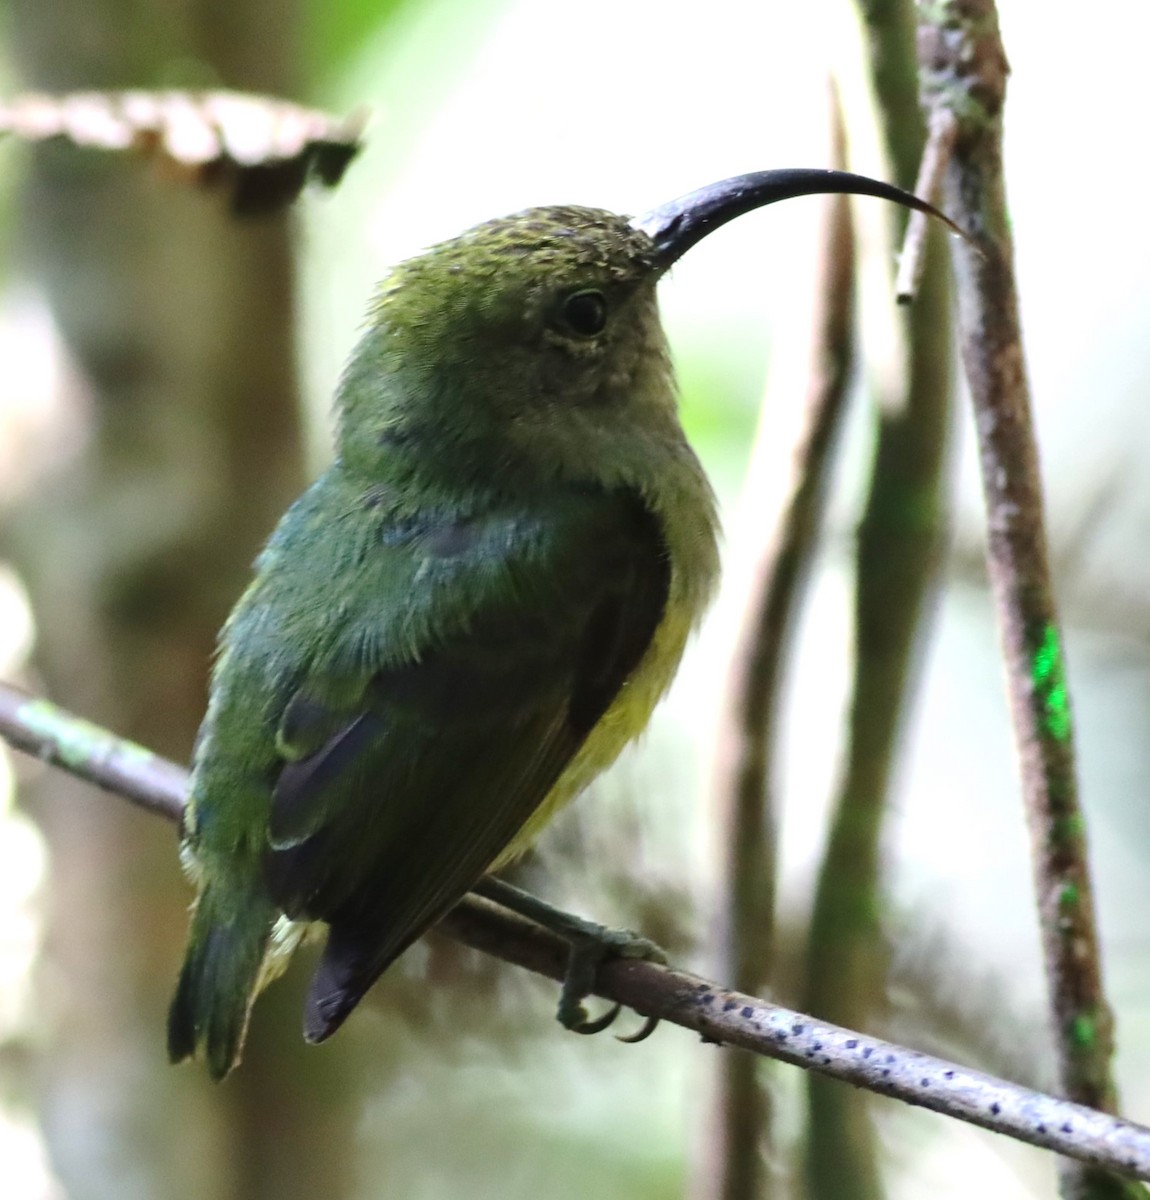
x=180, y=322
x=899, y=542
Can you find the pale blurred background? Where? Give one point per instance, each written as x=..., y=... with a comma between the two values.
x=454, y=1081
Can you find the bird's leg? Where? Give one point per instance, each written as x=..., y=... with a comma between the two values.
x=590, y=945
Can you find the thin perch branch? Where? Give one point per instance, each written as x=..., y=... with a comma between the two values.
x=964, y=71
x=45, y=731
x=717, y=1015
x=734, y=1019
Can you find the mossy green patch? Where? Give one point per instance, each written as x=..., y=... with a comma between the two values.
x=1084, y=1030
x=1067, y=828
x=1049, y=678
x=75, y=743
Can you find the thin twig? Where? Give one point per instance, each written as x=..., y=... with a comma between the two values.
x=939, y=147
x=47, y=732
x=964, y=69
x=748, y=725
x=734, y=1019
x=717, y=1015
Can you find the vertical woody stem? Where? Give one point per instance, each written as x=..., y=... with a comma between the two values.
x=964, y=71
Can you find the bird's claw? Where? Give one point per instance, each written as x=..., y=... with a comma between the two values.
x=650, y=1024
x=584, y=1025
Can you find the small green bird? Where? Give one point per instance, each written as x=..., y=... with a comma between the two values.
x=468, y=615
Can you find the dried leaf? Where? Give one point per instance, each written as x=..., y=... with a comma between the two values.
x=259, y=149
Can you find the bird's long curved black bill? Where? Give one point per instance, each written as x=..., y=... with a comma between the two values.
x=681, y=224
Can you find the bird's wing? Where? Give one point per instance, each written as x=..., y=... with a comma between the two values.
x=401, y=789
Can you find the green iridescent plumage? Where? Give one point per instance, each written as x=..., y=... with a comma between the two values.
x=462, y=622
x=468, y=616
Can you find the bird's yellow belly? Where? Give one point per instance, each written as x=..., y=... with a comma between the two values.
x=623, y=721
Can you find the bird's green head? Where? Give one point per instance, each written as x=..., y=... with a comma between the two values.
x=544, y=277
x=539, y=332
x=545, y=305
x=523, y=338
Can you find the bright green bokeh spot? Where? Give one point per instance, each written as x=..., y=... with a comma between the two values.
x=1083, y=1030
x=1068, y=897
x=1050, y=683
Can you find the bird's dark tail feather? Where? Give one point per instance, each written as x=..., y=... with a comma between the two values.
x=352, y=961
x=219, y=979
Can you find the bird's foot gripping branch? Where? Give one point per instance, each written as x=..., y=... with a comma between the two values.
x=589, y=946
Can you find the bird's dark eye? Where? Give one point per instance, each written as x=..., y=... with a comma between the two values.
x=585, y=313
